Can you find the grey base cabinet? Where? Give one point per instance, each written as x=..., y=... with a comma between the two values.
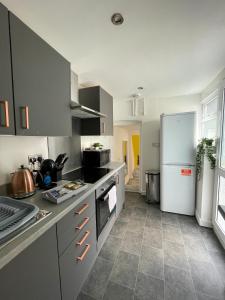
x=120, y=191
x=6, y=93
x=34, y=274
x=77, y=261
x=57, y=264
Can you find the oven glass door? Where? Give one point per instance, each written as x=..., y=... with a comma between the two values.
x=103, y=212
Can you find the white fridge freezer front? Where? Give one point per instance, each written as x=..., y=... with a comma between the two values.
x=178, y=138
x=177, y=189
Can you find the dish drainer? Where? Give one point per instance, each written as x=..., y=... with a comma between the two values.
x=14, y=216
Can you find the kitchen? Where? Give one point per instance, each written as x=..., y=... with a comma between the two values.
x=97, y=242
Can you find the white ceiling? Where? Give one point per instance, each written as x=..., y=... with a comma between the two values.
x=170, y=47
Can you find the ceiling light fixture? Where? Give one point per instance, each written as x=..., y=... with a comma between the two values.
x=117, y=19
x=138, y=103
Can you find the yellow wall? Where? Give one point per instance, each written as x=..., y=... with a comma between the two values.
x=136, y=148
x=124, y=150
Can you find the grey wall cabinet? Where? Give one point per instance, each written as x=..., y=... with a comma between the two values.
x=41, y=81
x=6, y=93
x=98, y=99
x=120, y=191
x=34, y=274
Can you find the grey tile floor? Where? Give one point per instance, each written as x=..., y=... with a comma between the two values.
x=157, y=256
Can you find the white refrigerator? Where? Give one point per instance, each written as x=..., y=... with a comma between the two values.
x=177, y=163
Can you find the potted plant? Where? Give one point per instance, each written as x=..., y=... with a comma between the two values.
x=206, y=147
x=97, y=146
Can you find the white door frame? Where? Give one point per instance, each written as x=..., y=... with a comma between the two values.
x=133, y=122
x=218, y=170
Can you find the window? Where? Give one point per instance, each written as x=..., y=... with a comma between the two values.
x=209, y=115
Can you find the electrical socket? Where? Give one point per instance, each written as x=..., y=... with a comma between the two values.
x=35, y=160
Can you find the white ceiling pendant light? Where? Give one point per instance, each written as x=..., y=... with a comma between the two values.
x=138, y=103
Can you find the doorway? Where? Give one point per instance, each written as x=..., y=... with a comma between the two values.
x=134, y=180
x=127, y=148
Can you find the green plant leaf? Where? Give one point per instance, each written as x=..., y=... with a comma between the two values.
x=206, y=147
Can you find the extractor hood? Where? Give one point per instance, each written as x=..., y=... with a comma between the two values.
x=83, y=112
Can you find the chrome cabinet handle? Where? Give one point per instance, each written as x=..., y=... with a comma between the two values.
x=25, y=113
x=5, y=105
x=87, y=248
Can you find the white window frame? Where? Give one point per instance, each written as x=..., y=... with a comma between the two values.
x=204, y=103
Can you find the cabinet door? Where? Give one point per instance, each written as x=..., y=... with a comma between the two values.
x=91, y=126
x=120, y=191
x=34, y=274
x=41, y=79
x=6, y=94
x=98, y=99
x=74, y=271
x=106, y=107
x=67, y=227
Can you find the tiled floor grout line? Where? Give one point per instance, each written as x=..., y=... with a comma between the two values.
x=189, y=258
x=164, y=279
x=185, y=228
x=189, y=266
x=190, y=272
x=139, y=256
x=211, y=260
x=114, y=262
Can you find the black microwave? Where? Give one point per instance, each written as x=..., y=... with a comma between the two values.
x=96, y=158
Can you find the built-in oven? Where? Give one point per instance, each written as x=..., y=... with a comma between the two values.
x=103, y=211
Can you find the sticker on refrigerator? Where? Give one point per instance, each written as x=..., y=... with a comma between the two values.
x=186, y=172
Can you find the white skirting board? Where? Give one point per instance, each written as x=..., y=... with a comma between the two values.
x=201, y=222
x=219, y=235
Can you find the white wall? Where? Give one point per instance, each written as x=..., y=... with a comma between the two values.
x=14, y=151
x=124, y=133
x=150, y=131
x=88, y=141
x=216, y=83
x=120, y=135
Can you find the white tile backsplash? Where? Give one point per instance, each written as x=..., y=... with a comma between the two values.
x=14, y=151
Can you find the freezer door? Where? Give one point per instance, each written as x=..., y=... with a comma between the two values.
x=177, y=189
x=178, y=138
